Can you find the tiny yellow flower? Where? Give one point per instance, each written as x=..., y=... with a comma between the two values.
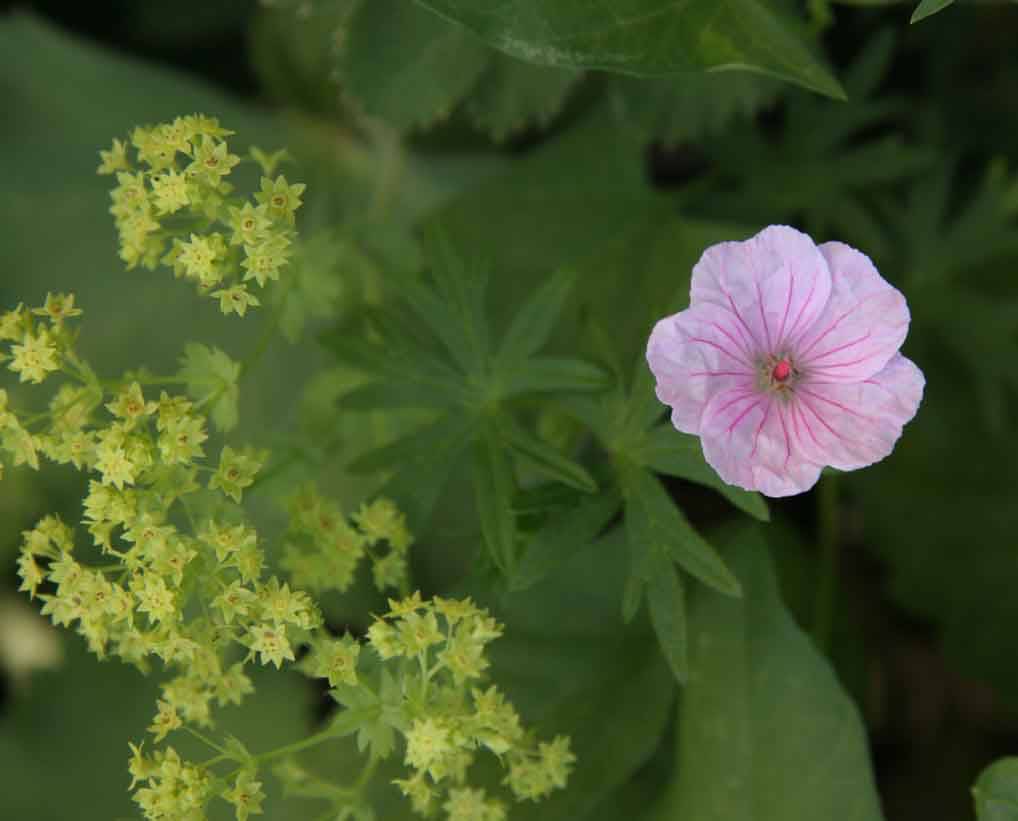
x=34, y=358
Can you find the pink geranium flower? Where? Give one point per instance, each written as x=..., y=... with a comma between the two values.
x=786, y=361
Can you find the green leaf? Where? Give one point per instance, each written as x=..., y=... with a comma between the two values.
x=668, y=451
x=571, y=667
x=643, y=408
x=655, y=526
x=689, y=106
x=533, y=323
x=363, y=715
x=929, y=7
x=212, y=378
x=545, y=457
x=407, y=66
x=513, y=95
x=396, y=360
x=666, y=600
x=996, y=791
x=493, y=493
x=632, y=597
x=829, y=164
x=583, y=203
x=548, y=374
x=646, y=37
x=314, y=284
x=433, y=455
x=461, y=285
x=565, y=535
x=765, y=730
x=377, y=395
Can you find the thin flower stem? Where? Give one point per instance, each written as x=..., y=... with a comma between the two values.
x=295, y=457
x=205, y=740
x=366, y=774
x=268, y=333
x=311, y=741
x=828, y=525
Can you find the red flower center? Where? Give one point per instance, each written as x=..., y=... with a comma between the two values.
x=781, y=371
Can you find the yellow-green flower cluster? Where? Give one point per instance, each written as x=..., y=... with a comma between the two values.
x=324, y=547
x=175, y=571
x=40, y=343
x=173, y=204
x=38, y=338
x=173, y=788
x=437, y=649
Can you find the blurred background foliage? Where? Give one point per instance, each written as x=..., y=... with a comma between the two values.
x=398, y=119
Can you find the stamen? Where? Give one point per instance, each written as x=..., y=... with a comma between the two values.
x=781, y=371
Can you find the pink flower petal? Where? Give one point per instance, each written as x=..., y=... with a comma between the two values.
x=775, y=284
x=693, y=355
x=747, y=438
x=861, y=328
x=851, y=425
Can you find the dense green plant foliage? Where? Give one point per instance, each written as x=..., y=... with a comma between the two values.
x=408, y=354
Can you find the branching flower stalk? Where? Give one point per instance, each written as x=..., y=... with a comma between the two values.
x=176, y=571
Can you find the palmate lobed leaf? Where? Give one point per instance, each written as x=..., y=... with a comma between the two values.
x=211, y=378
x=433, y=351
x=646, y=37
x=545, y=457
x=668, y=451
x=666, y=600
x=830, y=163
x=493, y=491
x=563, y=536
x=656, y=528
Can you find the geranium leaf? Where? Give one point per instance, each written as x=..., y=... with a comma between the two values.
x=407, y=66
x=646, y=37
x=765, y=730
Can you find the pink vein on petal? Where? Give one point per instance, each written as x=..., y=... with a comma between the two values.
x=788, y=442
x=763, y=318
x=742, y=415
x=746, y=392
x=836, y=404
x=740, y=343
x=802, y=310
x=759, y=428
x=788, y=305
x=840, y=348
x=721, y=348
x=837, y=321
x=731, y=303
x=805, y=422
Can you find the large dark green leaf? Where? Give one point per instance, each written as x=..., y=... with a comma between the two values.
x=689, y=106
x=645, y=36
x=407, y=66
x=512, y=95
x=765, y=731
